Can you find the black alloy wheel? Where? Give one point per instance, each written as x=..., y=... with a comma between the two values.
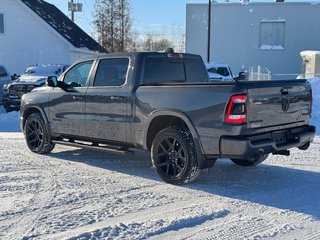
x=174, y=156
x=36, y=134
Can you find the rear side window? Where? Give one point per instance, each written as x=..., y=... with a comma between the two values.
x=169, y=70
x=3, y=72
x=112, y=72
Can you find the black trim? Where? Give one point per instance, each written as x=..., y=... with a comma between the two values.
x=246, y=147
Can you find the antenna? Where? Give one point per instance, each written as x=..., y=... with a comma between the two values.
x=74, y=7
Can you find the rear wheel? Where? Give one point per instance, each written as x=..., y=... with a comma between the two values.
x=250, y=162
x=37, y=134
x=174, y=156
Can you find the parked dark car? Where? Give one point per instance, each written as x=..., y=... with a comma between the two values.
x=33, y=77
x=164, y=103
x=4, y=79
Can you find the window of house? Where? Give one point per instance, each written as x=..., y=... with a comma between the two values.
x=1, y=23
x=272, y=34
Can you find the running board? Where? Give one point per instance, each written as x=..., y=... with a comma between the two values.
x=106, y=148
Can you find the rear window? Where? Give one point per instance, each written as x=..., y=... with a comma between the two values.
x=174, y=70
x=3, y=72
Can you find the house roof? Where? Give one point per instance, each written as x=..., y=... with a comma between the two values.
x=63, y=25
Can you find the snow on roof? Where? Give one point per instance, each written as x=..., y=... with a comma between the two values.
x=216, y=65
x=45, y=70
x=63, y=25
x=309, y=53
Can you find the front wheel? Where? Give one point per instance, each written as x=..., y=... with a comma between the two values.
x=174, y=156
x=250, y=162
x=37, y=134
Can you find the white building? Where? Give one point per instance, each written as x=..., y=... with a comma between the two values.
x=36, y=32
x=252, y=34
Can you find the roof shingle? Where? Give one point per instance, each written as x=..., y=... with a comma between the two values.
x=63, y=25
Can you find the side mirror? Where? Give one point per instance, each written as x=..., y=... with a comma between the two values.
x=52, y=81
x=242, y=76
x=14, y=77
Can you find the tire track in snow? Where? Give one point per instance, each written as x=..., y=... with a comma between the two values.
x=42, y=195
x=169, y=216
x=141, y=206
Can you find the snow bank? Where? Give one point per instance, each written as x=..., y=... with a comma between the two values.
x=9, y=122
x=315, y=82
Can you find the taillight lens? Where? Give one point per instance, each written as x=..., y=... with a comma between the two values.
x=237, y=110
x=175, y=55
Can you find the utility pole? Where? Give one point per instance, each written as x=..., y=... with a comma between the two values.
x=209, y=31
x=74, y=7
x=72, y=11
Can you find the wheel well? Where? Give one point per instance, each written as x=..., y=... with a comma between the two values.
x=28, y=112
x=160, y=123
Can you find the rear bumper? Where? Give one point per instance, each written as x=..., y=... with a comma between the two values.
x=252, y=146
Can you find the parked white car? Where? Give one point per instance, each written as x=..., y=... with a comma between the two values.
x=4, y=79
x=32, y=77
x=219, y=72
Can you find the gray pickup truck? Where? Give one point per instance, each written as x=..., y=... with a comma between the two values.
x=164, y=103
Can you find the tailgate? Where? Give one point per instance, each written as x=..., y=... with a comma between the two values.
x=281, y=103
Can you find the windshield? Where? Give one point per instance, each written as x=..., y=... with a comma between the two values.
x=223, y=71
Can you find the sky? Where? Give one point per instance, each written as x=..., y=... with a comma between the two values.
x=144, y=12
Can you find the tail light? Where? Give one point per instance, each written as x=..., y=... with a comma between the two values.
x=175, y=55
x=237, y=110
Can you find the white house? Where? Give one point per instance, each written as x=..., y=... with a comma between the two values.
x=270, y=34
x=36, y=32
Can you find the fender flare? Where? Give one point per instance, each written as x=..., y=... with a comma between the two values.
x=33, y=106
x=174, y=113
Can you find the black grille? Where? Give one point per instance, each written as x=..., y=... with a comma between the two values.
x=18, y=90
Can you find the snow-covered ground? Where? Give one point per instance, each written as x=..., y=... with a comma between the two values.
x=82, y=194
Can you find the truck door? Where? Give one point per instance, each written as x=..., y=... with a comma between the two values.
x=67, y=105
x=107, y=101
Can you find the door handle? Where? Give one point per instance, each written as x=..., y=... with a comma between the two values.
x=77, y=98
x=116, y=98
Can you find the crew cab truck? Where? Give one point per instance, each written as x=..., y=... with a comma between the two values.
x=165, y=104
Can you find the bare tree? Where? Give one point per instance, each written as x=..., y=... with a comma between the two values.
x=112, y=20
x=159, y=38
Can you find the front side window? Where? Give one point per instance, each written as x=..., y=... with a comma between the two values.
x=272, y=34
x=78, y=75
x=112, y=72
x=1, y=23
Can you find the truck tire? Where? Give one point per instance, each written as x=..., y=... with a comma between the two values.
x=174, y=156
x=250, y=162
x=37, y=134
